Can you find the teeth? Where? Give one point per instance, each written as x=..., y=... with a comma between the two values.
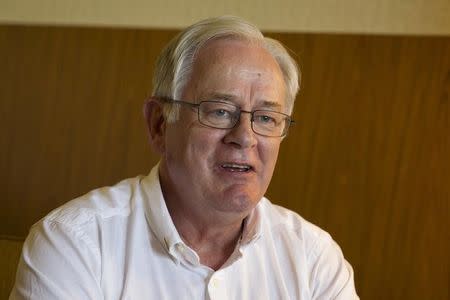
x=237, y=167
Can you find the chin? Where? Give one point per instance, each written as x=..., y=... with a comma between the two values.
x=240, y=203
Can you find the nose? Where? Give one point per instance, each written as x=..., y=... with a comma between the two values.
x=242, y=135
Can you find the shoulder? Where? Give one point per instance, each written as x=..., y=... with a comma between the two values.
x=331, y=276
x=279, y=218
x=95, y=206
x=286, y=223
x=68, y=245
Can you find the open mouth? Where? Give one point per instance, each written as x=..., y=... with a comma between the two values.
x=233, y=167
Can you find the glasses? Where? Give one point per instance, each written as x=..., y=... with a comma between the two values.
x=224, y=115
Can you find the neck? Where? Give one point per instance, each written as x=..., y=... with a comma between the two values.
x=214, y=242
x=213, y=235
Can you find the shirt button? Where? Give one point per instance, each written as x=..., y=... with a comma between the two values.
x=214, y=282
x=181, y=248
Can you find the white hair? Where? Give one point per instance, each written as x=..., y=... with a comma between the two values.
x=175, y=63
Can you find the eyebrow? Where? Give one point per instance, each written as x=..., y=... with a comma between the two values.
x=219, y=96
x=228, y=97
x=271, y=104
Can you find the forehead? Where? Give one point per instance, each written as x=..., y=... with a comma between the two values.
x=229, y=51
x=239, y=69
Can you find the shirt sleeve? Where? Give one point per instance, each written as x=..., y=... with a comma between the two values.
x=57, y=262
x=332, y=275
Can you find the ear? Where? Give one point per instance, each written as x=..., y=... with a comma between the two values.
x=156, y=124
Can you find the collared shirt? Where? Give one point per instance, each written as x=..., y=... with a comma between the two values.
x=120, y=243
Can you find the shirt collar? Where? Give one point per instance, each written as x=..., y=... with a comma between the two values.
x=252, y=226
x=157, y=214
x=161, y=224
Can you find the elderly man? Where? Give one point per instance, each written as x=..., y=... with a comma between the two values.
x=198, y=226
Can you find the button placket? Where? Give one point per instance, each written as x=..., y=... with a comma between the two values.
x=216, y=286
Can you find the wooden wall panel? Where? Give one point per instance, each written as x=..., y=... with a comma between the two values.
x=71, y=113
x=9, y=258
x=367, y=161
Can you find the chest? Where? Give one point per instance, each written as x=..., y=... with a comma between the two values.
x=151, y=273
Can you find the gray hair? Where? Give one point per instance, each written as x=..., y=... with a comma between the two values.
x=175, y=63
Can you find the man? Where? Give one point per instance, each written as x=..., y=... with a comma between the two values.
x=197, y=227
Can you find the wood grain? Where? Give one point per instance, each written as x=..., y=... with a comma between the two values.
x=368, y=159
x=9, y=258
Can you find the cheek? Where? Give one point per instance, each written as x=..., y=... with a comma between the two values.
x=198, y=144
x=269, y=154
x=177, y=143
x=206, y=143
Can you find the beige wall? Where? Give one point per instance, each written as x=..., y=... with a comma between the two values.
x=423, y=17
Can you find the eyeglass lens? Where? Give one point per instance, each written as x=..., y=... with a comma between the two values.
x=225, y=115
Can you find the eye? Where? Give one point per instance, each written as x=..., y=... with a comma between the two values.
x=217, y=110
x=265, y=119
x=220, y=112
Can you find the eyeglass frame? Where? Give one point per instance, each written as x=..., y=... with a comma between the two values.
x=289, y=121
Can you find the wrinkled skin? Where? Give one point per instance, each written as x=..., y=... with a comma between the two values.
x=194, y=180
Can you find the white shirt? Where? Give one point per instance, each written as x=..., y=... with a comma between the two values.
x=120, y=243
